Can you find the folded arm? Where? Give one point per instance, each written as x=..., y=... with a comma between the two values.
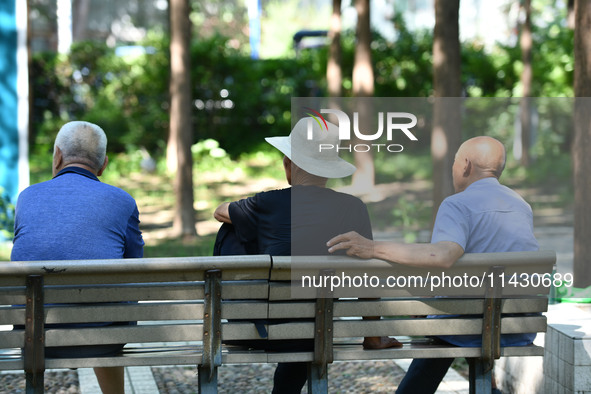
x=222, y=213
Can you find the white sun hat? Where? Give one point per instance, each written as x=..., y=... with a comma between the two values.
x=313, y=146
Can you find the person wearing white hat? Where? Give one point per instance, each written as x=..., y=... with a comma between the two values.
x=301, y=219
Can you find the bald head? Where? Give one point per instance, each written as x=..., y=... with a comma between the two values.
x=477, y=158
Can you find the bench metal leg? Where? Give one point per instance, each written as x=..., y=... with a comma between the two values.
x=317, y=378
x=34, y=350
x=35, y=383
x=480, y=376
x=208, y=381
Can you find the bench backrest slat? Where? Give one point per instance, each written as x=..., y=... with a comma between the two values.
x=255, y=289
x=153, y=311
x=12, y=339
x=398, y=327
x=404, y=307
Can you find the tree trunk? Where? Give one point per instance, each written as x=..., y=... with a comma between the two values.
x=181, y=129
x=80, y=9
x=526, y=43
x=334, y=73
x=363, y=86
x=570, y=16
x=582, y=144
x=446, y=133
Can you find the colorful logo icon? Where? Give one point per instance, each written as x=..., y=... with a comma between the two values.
x=316, y=115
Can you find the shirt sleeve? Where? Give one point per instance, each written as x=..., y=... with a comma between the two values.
x=364, y=223
x=243, y=214
x=134, y=242
x=451, y=224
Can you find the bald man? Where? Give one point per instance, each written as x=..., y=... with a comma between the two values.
x=483, y=216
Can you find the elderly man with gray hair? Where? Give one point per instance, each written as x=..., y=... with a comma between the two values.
x=74, y=216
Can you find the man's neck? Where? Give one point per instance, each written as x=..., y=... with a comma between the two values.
x=80, y=165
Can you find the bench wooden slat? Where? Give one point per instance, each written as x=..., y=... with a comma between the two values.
x=477, y=265
x=397, y=327
x=450, y=326
x=132, y=356
x=401, y=307
x=125, y=292
x=109, y=278
x=123, y=334
x=137, y=266
x=10, y=295
x=12, y=339
x=149, y=311
x=241, y=289
x=536, y=259
x=143, y=333
x=165, y=356
x=282, y=291
x=439, y=351
x=12, y=315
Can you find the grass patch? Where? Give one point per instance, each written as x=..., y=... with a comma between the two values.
x=201, y=246
x=5, y=248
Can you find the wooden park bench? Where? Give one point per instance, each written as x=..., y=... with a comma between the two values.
x=185, y=307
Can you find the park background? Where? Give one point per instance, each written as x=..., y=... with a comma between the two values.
x=114, y=70
x=111, y=62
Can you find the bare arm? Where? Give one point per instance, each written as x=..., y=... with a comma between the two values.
x=442, y=254
x=222, y=213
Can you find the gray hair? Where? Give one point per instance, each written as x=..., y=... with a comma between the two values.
x=82, y=142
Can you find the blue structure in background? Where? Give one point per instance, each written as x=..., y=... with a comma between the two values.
x=13, y=120
x=9, y=131
x=254, y=22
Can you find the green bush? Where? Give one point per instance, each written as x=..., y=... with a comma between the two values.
x=238, y=101
x=6, y=216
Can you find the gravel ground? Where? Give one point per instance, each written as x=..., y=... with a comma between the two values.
x=343, y=377
x=59, y=382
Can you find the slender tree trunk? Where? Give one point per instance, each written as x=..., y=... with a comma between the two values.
x=334, y=73
x=582, y=144
x=446, y=133
x=526, y=43
x=80, y=9
x=570, y=16
x=363, y=86
x=181, y=128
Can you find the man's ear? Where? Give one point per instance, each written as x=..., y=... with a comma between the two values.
x=467, y=168
x=58, y=161
x=287, y=168
x=100, y=172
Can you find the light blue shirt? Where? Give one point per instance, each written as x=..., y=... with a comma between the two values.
x=486, y=217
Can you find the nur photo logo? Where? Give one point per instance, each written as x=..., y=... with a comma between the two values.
x=390, y=124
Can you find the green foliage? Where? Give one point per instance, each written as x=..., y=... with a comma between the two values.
x=6, y=216
x=403, y=68
x=238, y=101
x=410, y=216
x=403, y=167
